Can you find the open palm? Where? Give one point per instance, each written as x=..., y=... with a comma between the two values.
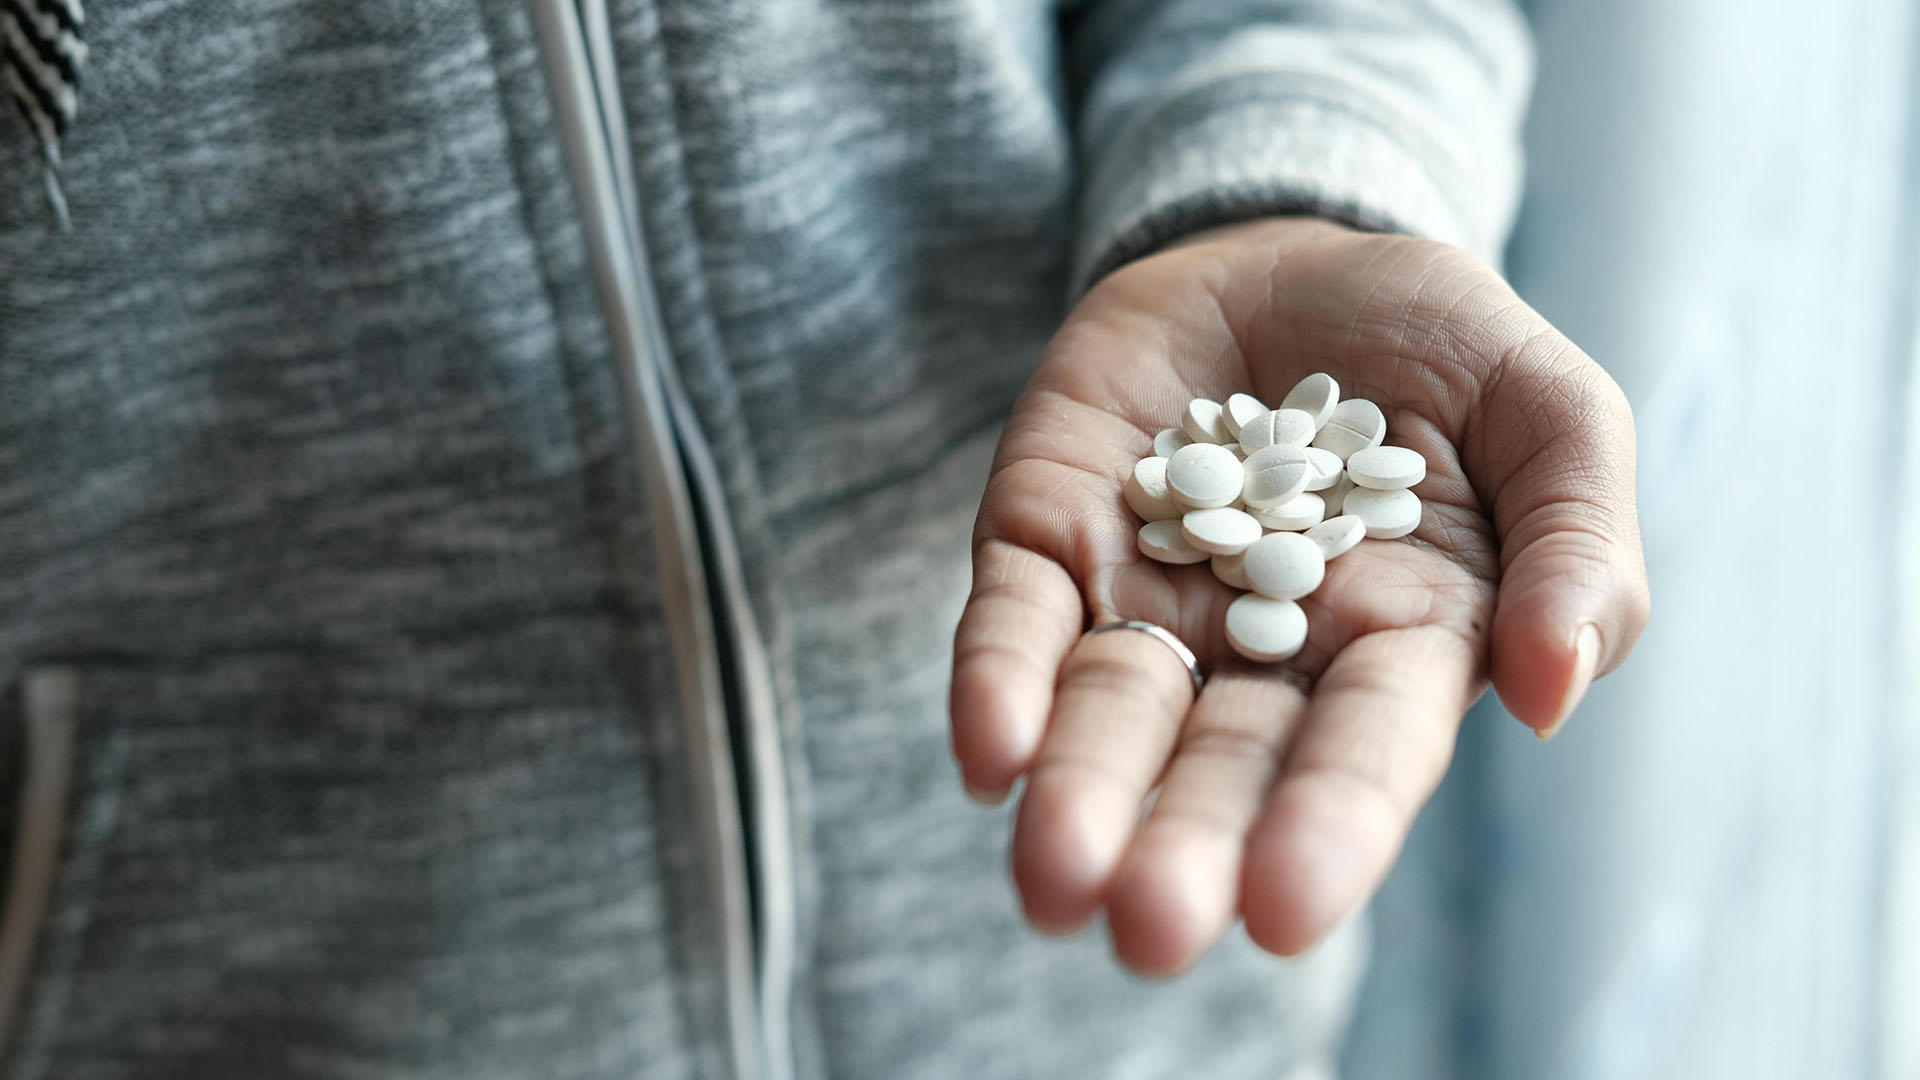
x=1283, y=791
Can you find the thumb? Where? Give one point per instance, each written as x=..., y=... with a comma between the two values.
x=1551, y=448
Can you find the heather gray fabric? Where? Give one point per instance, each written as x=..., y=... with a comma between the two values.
x=312, y=461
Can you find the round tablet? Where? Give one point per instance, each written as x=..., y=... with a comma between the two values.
x=1316, y=395
x=1337, y=536
x=1266, y=630
x=1162, y=541
x=1181, y=504
x=1165, y=443
x=1355, y=425
x=1285, y=566
x=1220, y=531
x=1277, y=427
x=1389, y=515
x=1205, y=475
x=1274, y=475
x=1386, y=468
x=1204, y=423
x=1326, y=468
x=1303, y=511
x=1335, y=497
x=1232, y=570
x=1239, y=409
x=1147, y=493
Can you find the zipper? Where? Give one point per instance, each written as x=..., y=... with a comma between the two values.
x=749, y=671
x=50, y=713
x=719, y=655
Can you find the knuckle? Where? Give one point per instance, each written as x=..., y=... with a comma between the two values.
x=1239, y=745
x=1205, y=820
x=1361, y=786
x=1110, y=675
x=1106, y=674
x=1083, y=772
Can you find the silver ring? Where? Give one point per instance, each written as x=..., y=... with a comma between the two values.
x=1165, y=637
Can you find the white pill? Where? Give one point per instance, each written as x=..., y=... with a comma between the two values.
x=1147, y=493
x=1285, y=566
x=1275, y=475
x=1162, y=541
x=1204, y=422
x=1387, y=467
x=1205, y=475
x=1169, y=440
x=1336, y=496
x=1356, y=424
x=1303, y=511
x=1316, y=395
x=1388, y=515
x=1232, y=570
x=1181, y=504
x=1277, y=427
x=1239, y=409
x=1265, y=630
x=1326, y=467
x=1337, y=536
x=1220, y=531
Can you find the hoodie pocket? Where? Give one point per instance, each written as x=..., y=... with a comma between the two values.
x=37, y=782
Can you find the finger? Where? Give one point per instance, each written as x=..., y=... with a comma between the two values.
x=1177, y=886
x=1120, y=702
x=1373, y=745
x=1023, y=615
x=1554, y=442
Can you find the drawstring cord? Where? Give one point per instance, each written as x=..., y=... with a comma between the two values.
x=56, y=197
x=41, y=54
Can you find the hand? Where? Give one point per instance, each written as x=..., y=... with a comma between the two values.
x=1285, y=791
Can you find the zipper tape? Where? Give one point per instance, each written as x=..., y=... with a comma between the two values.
x=638, y=339
x=768, y=821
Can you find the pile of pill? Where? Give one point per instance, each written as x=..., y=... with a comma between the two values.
x=1269, y=495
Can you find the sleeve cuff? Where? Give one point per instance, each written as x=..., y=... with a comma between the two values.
x=1195, y=165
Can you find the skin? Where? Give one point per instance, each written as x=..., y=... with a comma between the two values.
x=1285, y=791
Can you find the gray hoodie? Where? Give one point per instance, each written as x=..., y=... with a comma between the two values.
x=484, y=498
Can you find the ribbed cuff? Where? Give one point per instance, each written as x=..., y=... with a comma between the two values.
x=1198, y=163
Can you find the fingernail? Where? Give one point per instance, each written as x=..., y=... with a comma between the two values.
x=1586, y=658
x=983, y=796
